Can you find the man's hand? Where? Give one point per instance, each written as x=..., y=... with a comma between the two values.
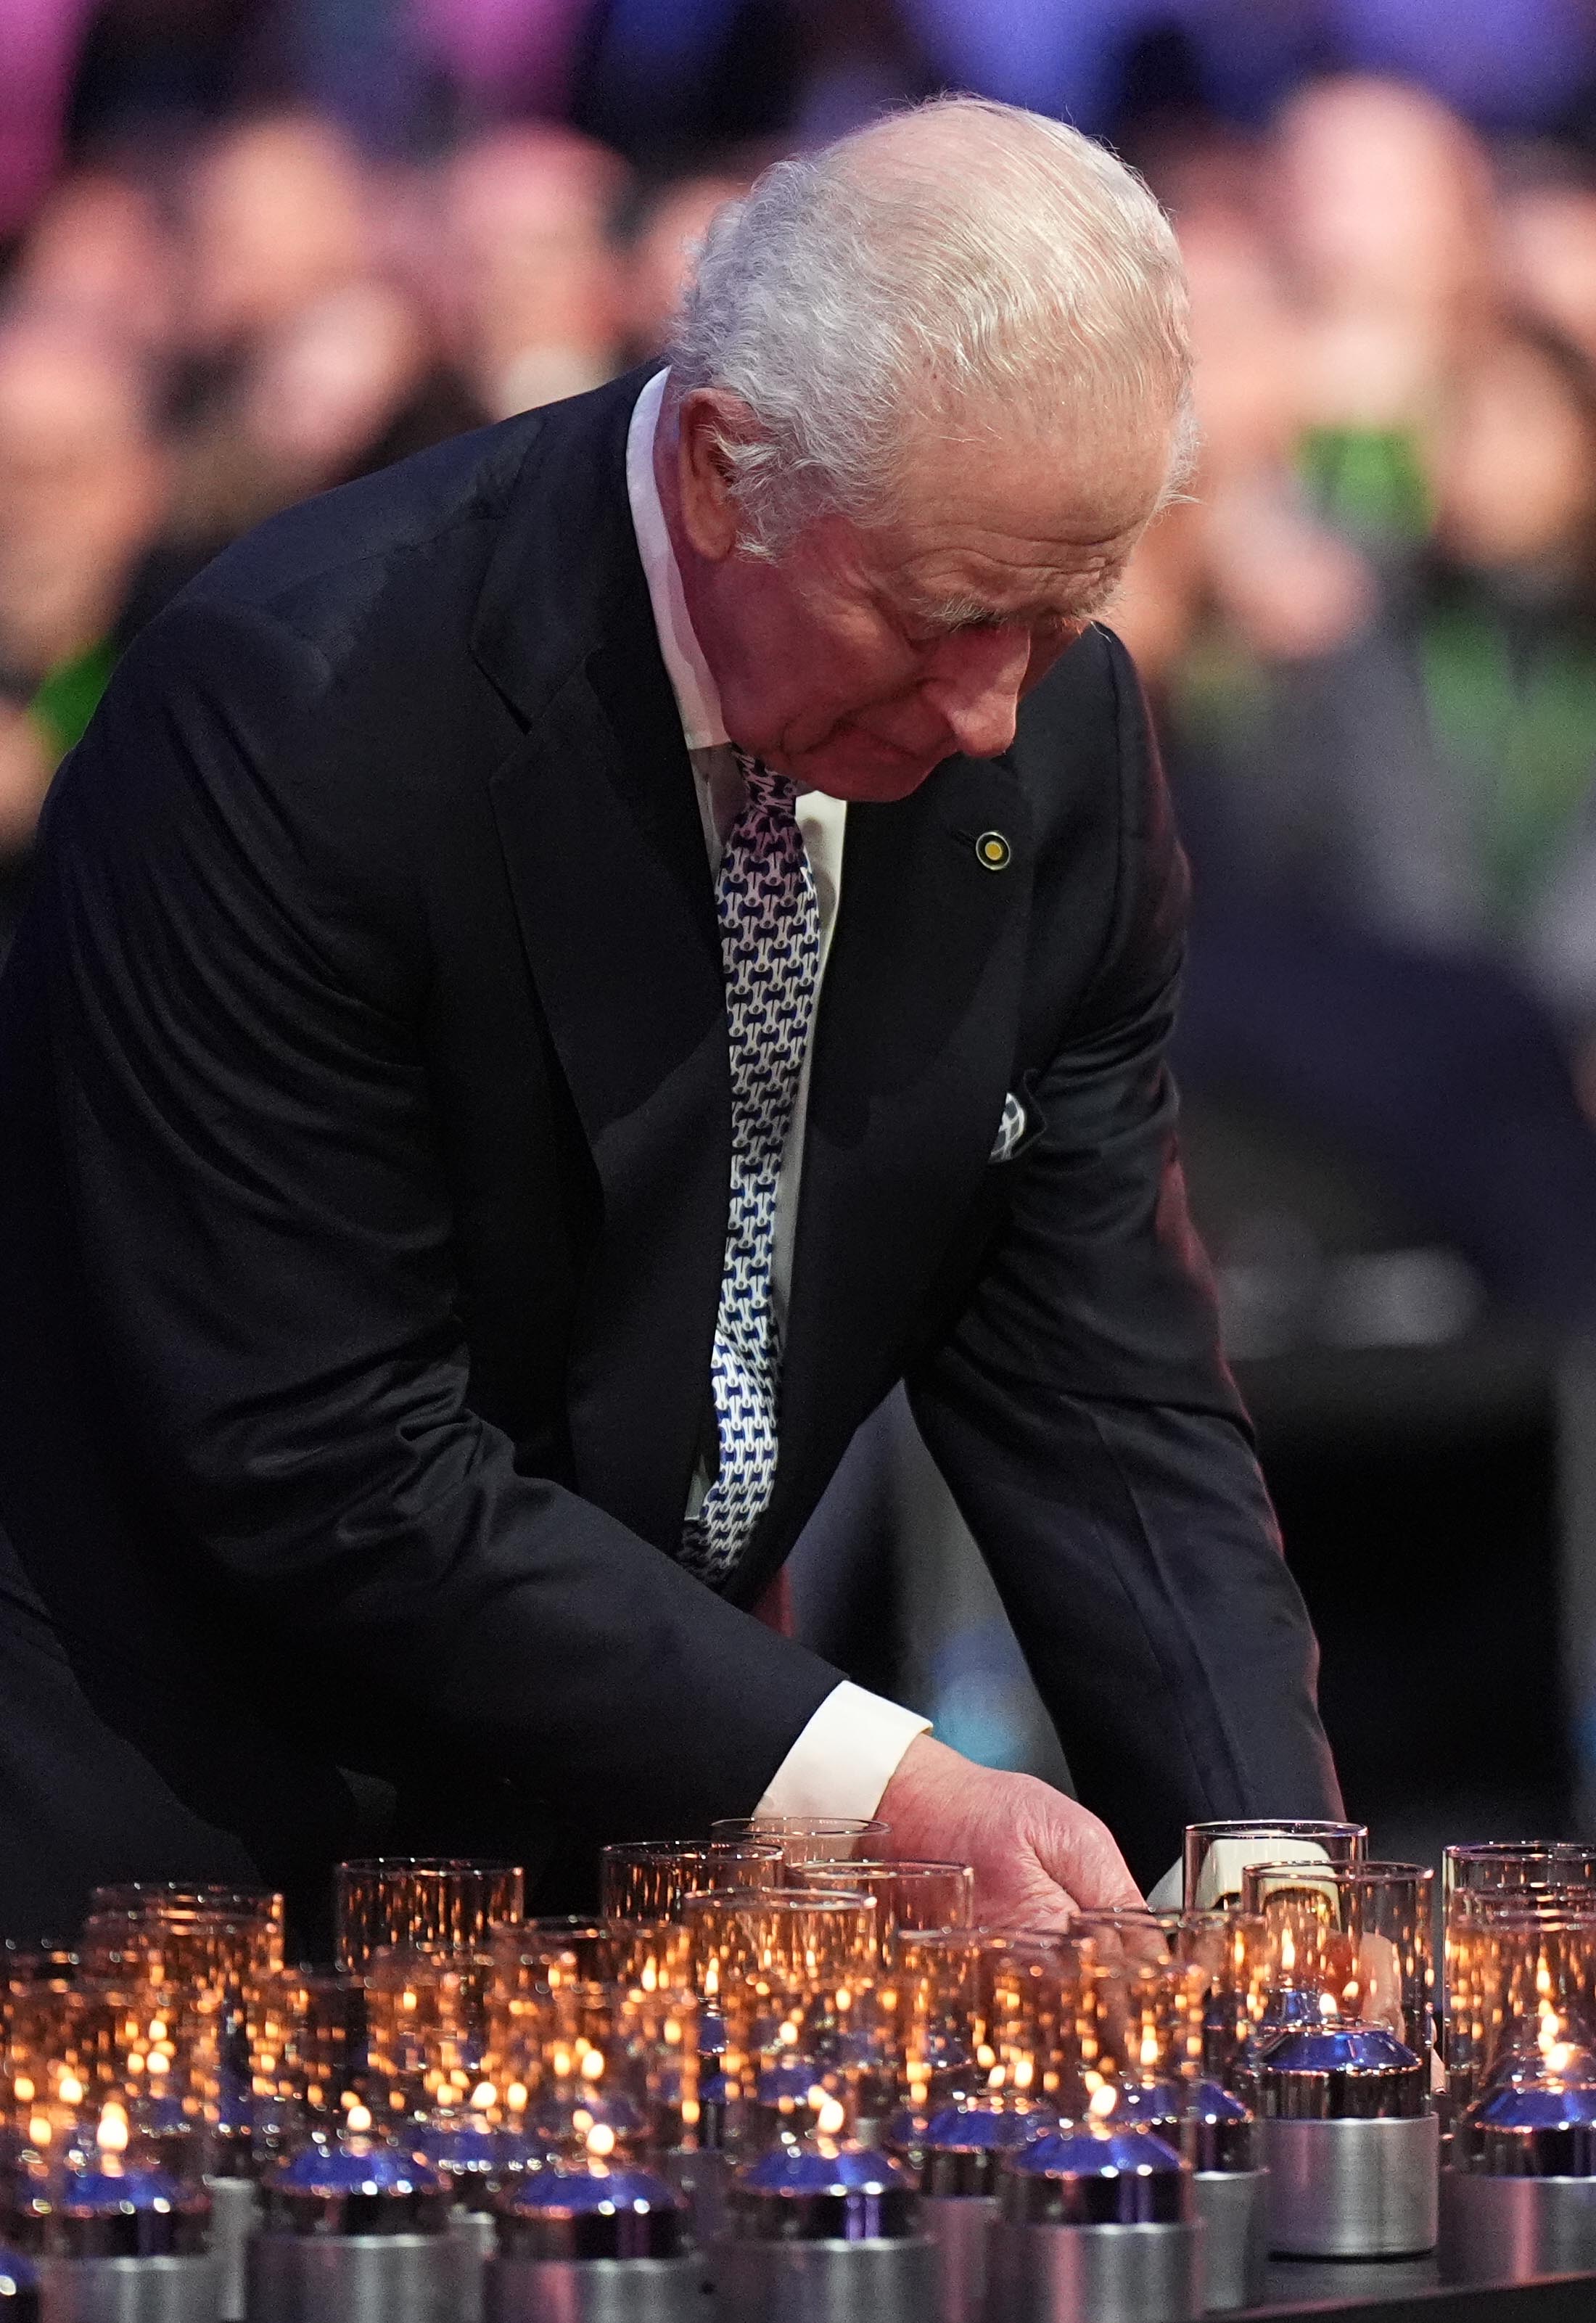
x=1038, y=1856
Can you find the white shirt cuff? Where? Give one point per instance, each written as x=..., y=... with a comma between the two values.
x=845, y=1757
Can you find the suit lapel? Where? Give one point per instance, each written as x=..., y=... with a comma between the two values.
x=598, y=822
x=604, y=849
x=913, y=1045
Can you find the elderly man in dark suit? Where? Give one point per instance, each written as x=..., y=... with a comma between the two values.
x=559, y=974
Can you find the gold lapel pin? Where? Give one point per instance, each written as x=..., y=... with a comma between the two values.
x=993, y=851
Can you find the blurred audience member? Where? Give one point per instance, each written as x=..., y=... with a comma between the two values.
x=1420, y=763
x=100, y=255
x=658, y=253
x=528, y=276
x=277, y=214
x=81, y=486
x=1381, y=201
x=346, y=384
x=1549, y=252
x=1505, y=637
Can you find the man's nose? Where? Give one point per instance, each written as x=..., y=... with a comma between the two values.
x=975, y=688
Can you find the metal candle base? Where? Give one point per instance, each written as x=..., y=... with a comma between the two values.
x=1507, y=2229
x=354, y=2279
x=1097, y=2274
x=235, y=2213
x=474, y=2237
x=1231, y=2206
x=959, y=2228
x=700, y=2179
x=1351, y=2188
x=593, y=2290
x=127, y=2289
x=877, y=2281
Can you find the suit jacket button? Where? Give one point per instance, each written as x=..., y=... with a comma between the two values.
x=993, y=851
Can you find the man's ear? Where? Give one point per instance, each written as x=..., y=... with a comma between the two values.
x=710, y=420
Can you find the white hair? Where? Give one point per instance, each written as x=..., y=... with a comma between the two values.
x=1002, y=269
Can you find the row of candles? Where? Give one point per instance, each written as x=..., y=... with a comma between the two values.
x=785, y=2056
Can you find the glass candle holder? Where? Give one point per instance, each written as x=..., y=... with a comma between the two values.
x=1217, y=1854
x=1231, y=1947
x=529, y=1966
x=619, y=2076
x=170, y=1903
x=1478, y=1881
x=802, y=1937
x=307, y=2031
x=1352, y=1944
x=809, y=1839
x=107, y=2109
x=427, y=2078
x=426, y=2034
x=564, y=1948
x=179, y=1942
x=649, y=1956
x=204, y=1950
x=1515, y=1867
x=415, y=1902
x=819, y=2059
x=107, y=2191
x=651, y=1879
x=1040, y=2034
x=1145, y=2007
x=1524, y=2002
x=1224, y=1956
x=945, y=1981
x=909, y=1895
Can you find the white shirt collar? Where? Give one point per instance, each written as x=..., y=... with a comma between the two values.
x=698, y=699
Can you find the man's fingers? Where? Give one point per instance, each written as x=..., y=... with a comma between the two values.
x=1056, y=1913
x=1078, y=1855
x=1038, y=1856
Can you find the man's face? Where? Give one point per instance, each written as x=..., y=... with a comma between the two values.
x=864, y=655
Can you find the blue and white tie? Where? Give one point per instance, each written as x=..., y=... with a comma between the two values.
x=770, y=948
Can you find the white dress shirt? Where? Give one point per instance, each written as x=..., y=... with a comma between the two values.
x=850, y=1748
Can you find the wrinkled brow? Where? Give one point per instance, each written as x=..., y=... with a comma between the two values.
x=946, y=614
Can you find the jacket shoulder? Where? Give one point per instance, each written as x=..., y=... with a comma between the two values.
x=317, y=568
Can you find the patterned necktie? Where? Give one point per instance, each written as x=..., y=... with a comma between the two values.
x=770, y=947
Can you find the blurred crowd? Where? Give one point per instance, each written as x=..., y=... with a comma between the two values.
x=1370, y=638
x=255, y=253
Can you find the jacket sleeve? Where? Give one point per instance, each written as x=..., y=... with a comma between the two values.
x=264, y=1232
x=1085, y=1421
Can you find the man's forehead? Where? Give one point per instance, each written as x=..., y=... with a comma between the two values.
x=949, y=582
x=1018, y=535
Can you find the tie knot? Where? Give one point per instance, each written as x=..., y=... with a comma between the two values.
x=764, y=787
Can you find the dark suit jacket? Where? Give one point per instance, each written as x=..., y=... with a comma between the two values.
x=362, y=1201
